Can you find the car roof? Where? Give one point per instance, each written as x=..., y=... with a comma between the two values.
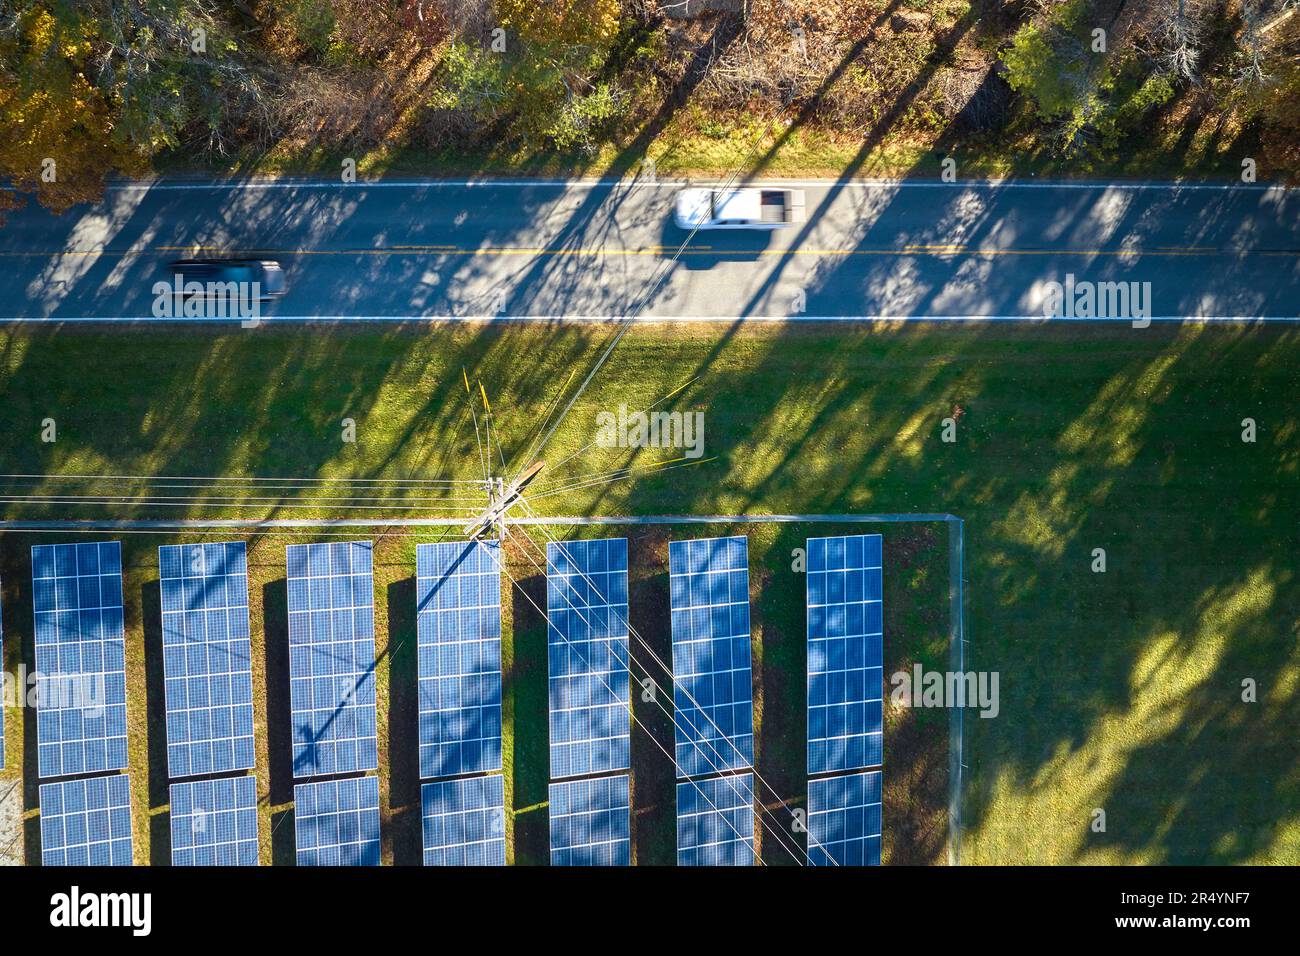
x=219, y=263
x=743, y=204
x=693, y=205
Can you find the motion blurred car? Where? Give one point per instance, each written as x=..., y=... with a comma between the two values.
x=215, y=272
x=705, y=207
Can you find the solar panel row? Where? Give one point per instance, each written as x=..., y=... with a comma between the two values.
x=587, y=657
x=844, y=827
x=712, y=677
x=464, y=822
x=337, y=822
x=458, y=619
x=86, y=822
x=845, y=592
x=715, y=821
x=207, y=658
x=332, y=658
x=214, y=822
x=845, y=647
x=591, y=822
x=80, y=658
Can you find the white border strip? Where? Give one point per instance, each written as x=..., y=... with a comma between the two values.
x=677, y=182
x=76, y=524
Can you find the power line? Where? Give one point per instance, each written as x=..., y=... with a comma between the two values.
x=630, y=711
x=669, y=672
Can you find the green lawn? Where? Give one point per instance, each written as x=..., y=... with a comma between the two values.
x=1120, y=691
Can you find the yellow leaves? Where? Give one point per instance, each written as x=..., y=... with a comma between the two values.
x=40, y=32
x=63, y=125
x=570, y=22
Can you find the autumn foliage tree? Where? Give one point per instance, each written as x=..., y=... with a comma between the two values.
x=61, y=132
x=562, y=22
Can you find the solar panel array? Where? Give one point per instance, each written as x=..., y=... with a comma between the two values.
x=80, y=658
x=77, y=590
x=206, y=658
x=844, y=820
x=587, y=656
x=214, y=822
x=458, y=601
x=845, y=647
x=712, y=679
x=464, y=822
x=715, y=821
x=591, y=822
x=86, y=822
x=332, y=658
x=336, y=822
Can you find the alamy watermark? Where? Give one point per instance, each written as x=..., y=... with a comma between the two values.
x=180, y=299
x=84, y=692
x=76, y=909
x=947, y=689
x=1085, y=299
x=624, y=429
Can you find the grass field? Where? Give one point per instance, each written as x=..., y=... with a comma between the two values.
x=1120, y=691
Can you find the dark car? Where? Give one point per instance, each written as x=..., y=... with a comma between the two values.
x=265, y=272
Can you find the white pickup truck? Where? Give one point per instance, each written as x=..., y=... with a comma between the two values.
x=751, y=207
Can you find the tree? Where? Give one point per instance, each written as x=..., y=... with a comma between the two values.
x=1086, y=97
x=61, y=132
x=1180, y=40
x=592, y=23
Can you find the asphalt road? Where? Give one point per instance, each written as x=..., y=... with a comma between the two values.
x=576, y=250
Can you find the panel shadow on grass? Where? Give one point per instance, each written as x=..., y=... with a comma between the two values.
x=654, y=791
x=527, y=682
x=780, y=698
x=156, y=726
x=279, y=717
x=403, y=834
x=284, y=852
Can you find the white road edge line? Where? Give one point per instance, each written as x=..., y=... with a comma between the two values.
x=647, y=320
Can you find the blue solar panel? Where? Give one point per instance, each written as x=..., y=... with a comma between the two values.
x=332, y=658
x=715, y=821
x=844, y=820
x=86, y=822
x=206, y=658
x=464, y=822
x=712, y=681
x=845, y=644
x=80, y=658
x=336, y=822
x=214, y=822
x=587, y=654
x=591, y=822
x=458, y=617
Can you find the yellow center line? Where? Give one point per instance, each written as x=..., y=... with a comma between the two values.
x=909, y=250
